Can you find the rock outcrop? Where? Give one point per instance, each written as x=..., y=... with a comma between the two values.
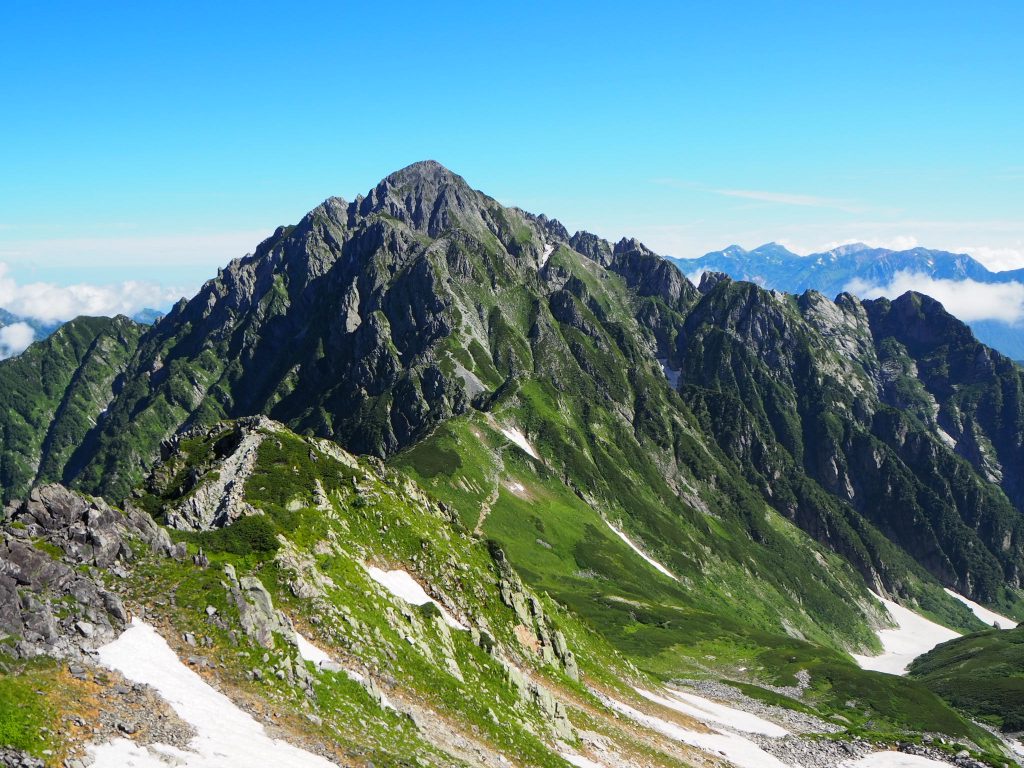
x=54, y=549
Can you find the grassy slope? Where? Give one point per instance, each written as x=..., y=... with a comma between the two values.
x=707, y=625
x=982, y=674
x=329, y=515
x=51, y=393
x=379, y=519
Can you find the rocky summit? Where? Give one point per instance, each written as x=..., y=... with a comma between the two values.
x=428, y=480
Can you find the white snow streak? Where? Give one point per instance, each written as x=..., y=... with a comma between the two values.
x=740, y=751
x=947, y=438
x=632, y=545
x=893, y=760
x=548, y=250
x=579, y=760
x=983, y=613
x=226, y=736
x=711, y=712
x=310, y=652
x=519, y=439
x=913, y=635
x=401, y=584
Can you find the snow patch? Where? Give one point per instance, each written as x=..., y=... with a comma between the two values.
x=310, y=652
x=579, y=760
x=672, y=376
x=983, y=613
x=122, y=752
x=913, y=635
x=947, y=438
x=400, y=584
x=740, y=751
x=893, y=760
x=226, y=736
x=709, y=712
x=632, y=545
x=548, y=250
x=318, y=656
x=1016, y=747
x=519, y=439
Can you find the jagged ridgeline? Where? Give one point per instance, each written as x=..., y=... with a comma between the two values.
x=575, y=403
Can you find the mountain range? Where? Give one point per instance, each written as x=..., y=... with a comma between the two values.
x=831, y=272
x=429, y=480
x=37, y=330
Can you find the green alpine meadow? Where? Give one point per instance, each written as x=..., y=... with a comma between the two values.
x=427, y=480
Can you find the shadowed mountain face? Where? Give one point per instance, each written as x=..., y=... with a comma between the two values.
x=773, y=266
x=882, y=429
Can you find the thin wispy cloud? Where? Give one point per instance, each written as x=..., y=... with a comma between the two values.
x=786, y=198
x=766, y=196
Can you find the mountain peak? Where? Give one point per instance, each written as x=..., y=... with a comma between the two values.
x=774, y=249
x=848, y=249
x=429, y=171
x=425, y=195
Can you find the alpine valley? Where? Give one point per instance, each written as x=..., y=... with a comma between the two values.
x=430, y=481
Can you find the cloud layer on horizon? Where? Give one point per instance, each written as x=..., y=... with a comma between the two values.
x=968, y=300
x=49, y=302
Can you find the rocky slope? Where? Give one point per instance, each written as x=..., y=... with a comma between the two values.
x=879, y=404
x=773, y=266
x=373, y=321
x=293, y=610
x=704, y=481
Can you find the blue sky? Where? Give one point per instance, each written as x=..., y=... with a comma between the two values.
x=155, y=141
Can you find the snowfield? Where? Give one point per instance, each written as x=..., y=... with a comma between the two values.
x=740, y=751
x=226, y=737
x=519, y=439
x=632, y=545
x=893, y=760
x=713, y=713
x=548, y=250
x=983, y=613
x=400, y=584
x=913, y=635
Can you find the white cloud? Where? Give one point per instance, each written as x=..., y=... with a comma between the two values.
x=997, y=259
x=785, y=198
x=696, y=276
x=49, y=302
x=14, y=339
x=966, y=299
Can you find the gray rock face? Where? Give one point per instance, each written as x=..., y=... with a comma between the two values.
x=217, y=499
x=548, y=641
x=48, y=603
x=260, y=620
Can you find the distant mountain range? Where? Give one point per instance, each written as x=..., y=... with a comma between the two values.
x=42, y=330
x=831, y=272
